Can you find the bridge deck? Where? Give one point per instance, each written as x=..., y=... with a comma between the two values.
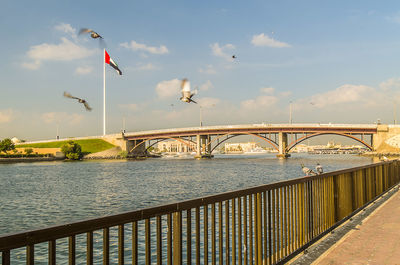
x=256, y=128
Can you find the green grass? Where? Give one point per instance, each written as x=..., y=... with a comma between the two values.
x=88, y=146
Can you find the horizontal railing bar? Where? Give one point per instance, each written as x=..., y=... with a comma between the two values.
x=12, y=241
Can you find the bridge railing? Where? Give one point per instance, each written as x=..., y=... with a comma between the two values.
x=267, y=224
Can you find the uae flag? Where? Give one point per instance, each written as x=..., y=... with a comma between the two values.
x=111, y=62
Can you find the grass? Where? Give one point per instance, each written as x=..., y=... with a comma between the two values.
x=88, y=146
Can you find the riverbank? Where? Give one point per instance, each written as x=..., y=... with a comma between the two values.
x=29, y=159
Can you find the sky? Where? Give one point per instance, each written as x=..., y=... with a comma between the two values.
x=336, y=61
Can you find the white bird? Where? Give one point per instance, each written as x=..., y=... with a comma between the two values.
x=319, y=169
x=307, y=171
x=186, y=93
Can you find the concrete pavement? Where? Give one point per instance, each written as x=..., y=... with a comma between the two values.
x=371, y=237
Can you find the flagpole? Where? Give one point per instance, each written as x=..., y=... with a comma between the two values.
x=104, y=92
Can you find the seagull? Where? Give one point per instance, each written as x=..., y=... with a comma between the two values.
x=307, y=171
x=93, y=34
x=319, y=169
x=68, y=95
x=233, y=56
x=186, y=94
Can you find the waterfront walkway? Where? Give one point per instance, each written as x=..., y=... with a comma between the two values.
x=371, y=237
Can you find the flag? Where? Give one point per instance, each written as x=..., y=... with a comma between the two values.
x=112, y=63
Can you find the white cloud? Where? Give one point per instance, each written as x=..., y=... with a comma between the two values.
x=285, y=94
x=64, y=51
x=206, y=86
x=83, y=70
x=66, y=28
x=208, y=102
x=169, y=88
x=6, y=116
x=267, y=90
x=344, y=94
x=135, y=46
x=394, y=18
x=54, y=117
x=265, y=40
x=259, y=102
x=34, y=65
x=222, y=51
x=209, y=69
x=392, y=83
x=146, y=67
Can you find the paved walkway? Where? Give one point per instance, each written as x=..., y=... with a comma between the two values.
x=376, y=240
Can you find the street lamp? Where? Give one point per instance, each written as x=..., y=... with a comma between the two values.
x=201, y=114
x=201, y=118
x=290, y=112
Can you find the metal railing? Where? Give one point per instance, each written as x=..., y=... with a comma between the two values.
x=267, y=224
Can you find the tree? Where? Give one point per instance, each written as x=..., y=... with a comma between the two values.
x=6, y=145
x=72, y=150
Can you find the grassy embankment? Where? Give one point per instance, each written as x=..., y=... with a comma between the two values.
x=88, y=146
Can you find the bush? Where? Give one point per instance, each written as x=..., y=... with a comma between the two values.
x=123, y=154
x=72, y=150
x=28, y=151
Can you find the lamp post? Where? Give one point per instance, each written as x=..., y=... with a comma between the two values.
x=201, y=118
x=290, y=112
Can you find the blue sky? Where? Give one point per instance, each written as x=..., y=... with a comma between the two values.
x=335, y=62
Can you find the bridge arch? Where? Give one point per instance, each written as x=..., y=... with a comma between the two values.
x=231, y=135
x=296, y=142
x=160, y=139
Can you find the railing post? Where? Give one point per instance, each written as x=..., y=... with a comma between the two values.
x=5, y=257
x=259, y=228
x=177, y=231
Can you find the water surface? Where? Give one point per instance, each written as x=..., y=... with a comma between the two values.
x=37, y=195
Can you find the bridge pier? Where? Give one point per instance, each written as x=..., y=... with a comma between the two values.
x=203, y=149
x=135, y=148
x=283, y=142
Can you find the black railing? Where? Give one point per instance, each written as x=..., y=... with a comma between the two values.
x=267, y=224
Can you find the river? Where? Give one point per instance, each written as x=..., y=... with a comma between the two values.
x=37, y=195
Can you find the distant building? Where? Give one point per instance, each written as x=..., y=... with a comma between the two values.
x=240, y=147
x=15, y=140
x=176, y=146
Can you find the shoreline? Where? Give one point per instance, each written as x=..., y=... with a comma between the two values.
x=29, y=159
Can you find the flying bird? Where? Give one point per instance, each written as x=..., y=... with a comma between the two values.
x=68, y=95
x=233, y=56
x=186, y=93
x=93, y=34
x=307, y=171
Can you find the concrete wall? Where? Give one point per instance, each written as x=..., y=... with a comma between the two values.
x=381, y=140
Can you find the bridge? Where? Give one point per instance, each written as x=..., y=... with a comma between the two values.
x=282, y=137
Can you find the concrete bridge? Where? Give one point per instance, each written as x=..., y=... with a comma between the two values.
x=282, y=137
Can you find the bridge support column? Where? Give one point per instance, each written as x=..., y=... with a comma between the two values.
x=203, y=148
x=283, y=142
x=135, y=148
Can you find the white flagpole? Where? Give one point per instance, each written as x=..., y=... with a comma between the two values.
x=104, y=92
